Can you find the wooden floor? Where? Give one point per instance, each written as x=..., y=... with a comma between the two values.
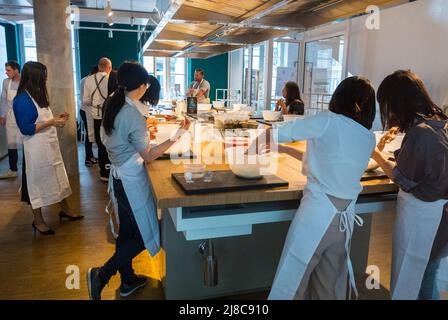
x=34, y=267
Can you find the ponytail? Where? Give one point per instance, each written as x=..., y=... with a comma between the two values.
x=130, y=76
x=112, y=107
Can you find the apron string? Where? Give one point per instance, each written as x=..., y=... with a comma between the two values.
x=345, y=226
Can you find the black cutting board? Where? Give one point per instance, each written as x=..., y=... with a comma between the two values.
x=224, y=181
x=190, y=155
x=373, y=175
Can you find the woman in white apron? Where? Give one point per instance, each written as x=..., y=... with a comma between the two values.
x=315, y=260
x=44, y=179
x=9, y=92
x=127, y=142
x=421, y=171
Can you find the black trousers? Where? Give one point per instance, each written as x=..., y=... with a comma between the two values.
x=87, y=143
x=24, y=197
x=13, y=158
x=103, y=159
x=129, y=242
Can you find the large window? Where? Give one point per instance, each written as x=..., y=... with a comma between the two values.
x=172, y=80
x=177, y=78
x=285, y=66
x=257, y=88
x=323, y=70
x=29, y=43
x=253, y=86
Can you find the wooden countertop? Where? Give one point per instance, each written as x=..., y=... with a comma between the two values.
x=168, y=194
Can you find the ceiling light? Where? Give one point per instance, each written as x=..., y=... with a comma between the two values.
x=108, y=9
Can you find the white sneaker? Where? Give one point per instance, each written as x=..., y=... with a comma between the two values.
x=9, y=174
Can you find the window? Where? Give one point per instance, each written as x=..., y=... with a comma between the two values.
x=177, y=77
x=323, y=70
x=172, y=80
x=284, y=67
x=257, y=86
x=29, y=42
x=253, y=87
x=148, y=63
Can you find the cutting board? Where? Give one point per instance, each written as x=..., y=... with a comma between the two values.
x=189, y=155
x=225, y=181
x=373, y=175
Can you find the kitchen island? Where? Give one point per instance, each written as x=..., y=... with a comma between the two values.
x=246, y=230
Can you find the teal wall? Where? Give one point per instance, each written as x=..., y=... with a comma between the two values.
x=94, y=44
x=12, y=46
x=216, y=72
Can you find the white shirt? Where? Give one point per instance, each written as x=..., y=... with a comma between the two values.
x=338, y=151
x=99, y=96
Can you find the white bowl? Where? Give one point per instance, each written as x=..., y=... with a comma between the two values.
x=248, y=167
x=204, y=106
x=271, y=115
x=292, y=117
x=239, y=106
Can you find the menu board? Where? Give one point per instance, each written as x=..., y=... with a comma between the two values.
x=192, y=105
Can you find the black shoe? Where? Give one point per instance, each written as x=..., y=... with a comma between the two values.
x=49, y=232
x=94, y=283
x=62, y=215
x=137, y=282
x=91, y=162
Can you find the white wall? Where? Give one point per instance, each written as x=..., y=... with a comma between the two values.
x=411, y=36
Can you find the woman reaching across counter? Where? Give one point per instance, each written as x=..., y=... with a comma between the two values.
x=421, y=171
x=44, y=179
x=293, y=103
x=315, y=260
x=127, y=142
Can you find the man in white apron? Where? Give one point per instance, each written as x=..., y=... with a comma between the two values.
x=9, y=90
x=199, y=88
x=94, y=95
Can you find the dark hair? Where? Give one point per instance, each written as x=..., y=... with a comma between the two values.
x=93, y=70
x=355, y=99
x=131, y=75
x=152, y=94
x=403, y=98
x=112, y=83
x=34, y=81
x=13, y=64
x=201, y=71
x=292, y=93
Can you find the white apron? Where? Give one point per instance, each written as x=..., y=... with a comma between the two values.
x=310, y=223
x=90, y=125
x=47, y=179
x=416, y=227
x=138, y=191
x=12, y=131
x=201, y=99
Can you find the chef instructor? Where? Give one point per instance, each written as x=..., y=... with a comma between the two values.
x=199, y=88
x=9, y=90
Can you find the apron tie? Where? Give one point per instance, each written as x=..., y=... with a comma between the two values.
x=112, y=205
x=345, y=226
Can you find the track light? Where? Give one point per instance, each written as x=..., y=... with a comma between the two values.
x=108, y=9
